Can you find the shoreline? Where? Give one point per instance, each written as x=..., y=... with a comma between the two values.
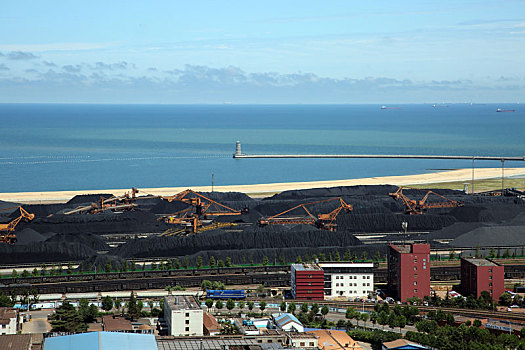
x=259, y=190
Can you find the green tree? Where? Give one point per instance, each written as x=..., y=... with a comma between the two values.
x=107, y=266
x=314, y=309
x=492, y=253
x=377, y=256
x=298, y=260
x=186, y=263
x=5, y=301
x=212, y=262
x=283, y=306
x=348, y=255
x=365, y=317
x=304, y=307
x=265, y=261
x=133, y=310
x=206, y=285
x=228, y=261
x=337, y=256
x=251, y=304
x=107, y=303
x=282, y=260
x=25, y=273
x=291, y=307
x=382, y=318
x=154, y=266
x=324, y=310
x=220, y=263
x=262, y=305
x=451, y=254
x=364, y=255
x=67, y=319
x=208, y=303
x=505, y=299
x=506, y=254
x=240, y=305
x=230, y=304
x=14, y=274
x=219, y=305
x=198, y=263
x=176, y=263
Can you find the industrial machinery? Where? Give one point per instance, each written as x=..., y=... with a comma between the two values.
x=114, y=203
x=201, y=208
x=7, y=230
x=418, y=207
x=322, y=221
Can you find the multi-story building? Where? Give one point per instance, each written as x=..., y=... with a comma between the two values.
x=347, y=279
x=307, y=282
x=409, y=271
x=478, y=275
x=183, y=315
x=8, y=320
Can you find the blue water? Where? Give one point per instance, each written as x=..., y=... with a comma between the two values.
x=70, y=147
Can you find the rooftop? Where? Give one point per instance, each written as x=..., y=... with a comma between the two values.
x=480, y=262
x=182, y=302
x=285, y=318
x=6, y=313
x=335, y=340
x=203, y=343
x=15, y=341
x=403, y=344
x=112, y=323
x=102, y=341
x=306, y=267
x=210, y=322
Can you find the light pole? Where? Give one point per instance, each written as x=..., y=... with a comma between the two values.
x=404, y=226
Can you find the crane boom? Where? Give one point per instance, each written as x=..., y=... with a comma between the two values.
x=323, y=221
x=415, y=207
x=6, y=230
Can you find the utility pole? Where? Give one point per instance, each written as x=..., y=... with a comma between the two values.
x=472, y=190
x=502, y=176
x=404, y=226
x=212, y=175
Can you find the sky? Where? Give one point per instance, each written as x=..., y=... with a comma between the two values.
x=262, y=52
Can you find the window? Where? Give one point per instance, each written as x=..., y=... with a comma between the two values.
x=415, y=290
x=342, y=284
x=490, y=277
x=269, y=341
x=311, y=344
x=368, y=284
x=187, y=329
x=301, y=343
x=364, y=284
x=355, y=284
x=415, y=283
x=187, y=314
x=415, y=261
x=415, y=275
x=415, y=268
x=336, y=277
x=490, y=270
x=187, y=321
x=490, y=284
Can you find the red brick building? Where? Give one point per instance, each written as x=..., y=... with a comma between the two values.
x=409, y=271
x=478, y=275
x=307, y=282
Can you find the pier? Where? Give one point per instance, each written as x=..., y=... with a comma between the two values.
x=239, y=155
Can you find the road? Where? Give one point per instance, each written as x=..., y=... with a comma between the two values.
x=38, y=322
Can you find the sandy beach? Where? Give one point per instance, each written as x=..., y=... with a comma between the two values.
x=258, y=189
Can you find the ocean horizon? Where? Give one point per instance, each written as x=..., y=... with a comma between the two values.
x=52, y=147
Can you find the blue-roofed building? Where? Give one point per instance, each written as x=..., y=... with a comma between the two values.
x=402, y=344
x=102, y=341
x=287, y=322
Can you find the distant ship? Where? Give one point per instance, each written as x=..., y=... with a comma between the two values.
x=439, y=105
x=385, y=107
x=504, y=110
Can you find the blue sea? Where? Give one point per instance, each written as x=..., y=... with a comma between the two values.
x=80, y=147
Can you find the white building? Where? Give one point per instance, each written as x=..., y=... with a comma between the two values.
x=347, y=279
x=8, y=321
x=183, y=315
x=287, y=322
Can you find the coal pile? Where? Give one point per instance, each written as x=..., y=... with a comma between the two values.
x=52, y=232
